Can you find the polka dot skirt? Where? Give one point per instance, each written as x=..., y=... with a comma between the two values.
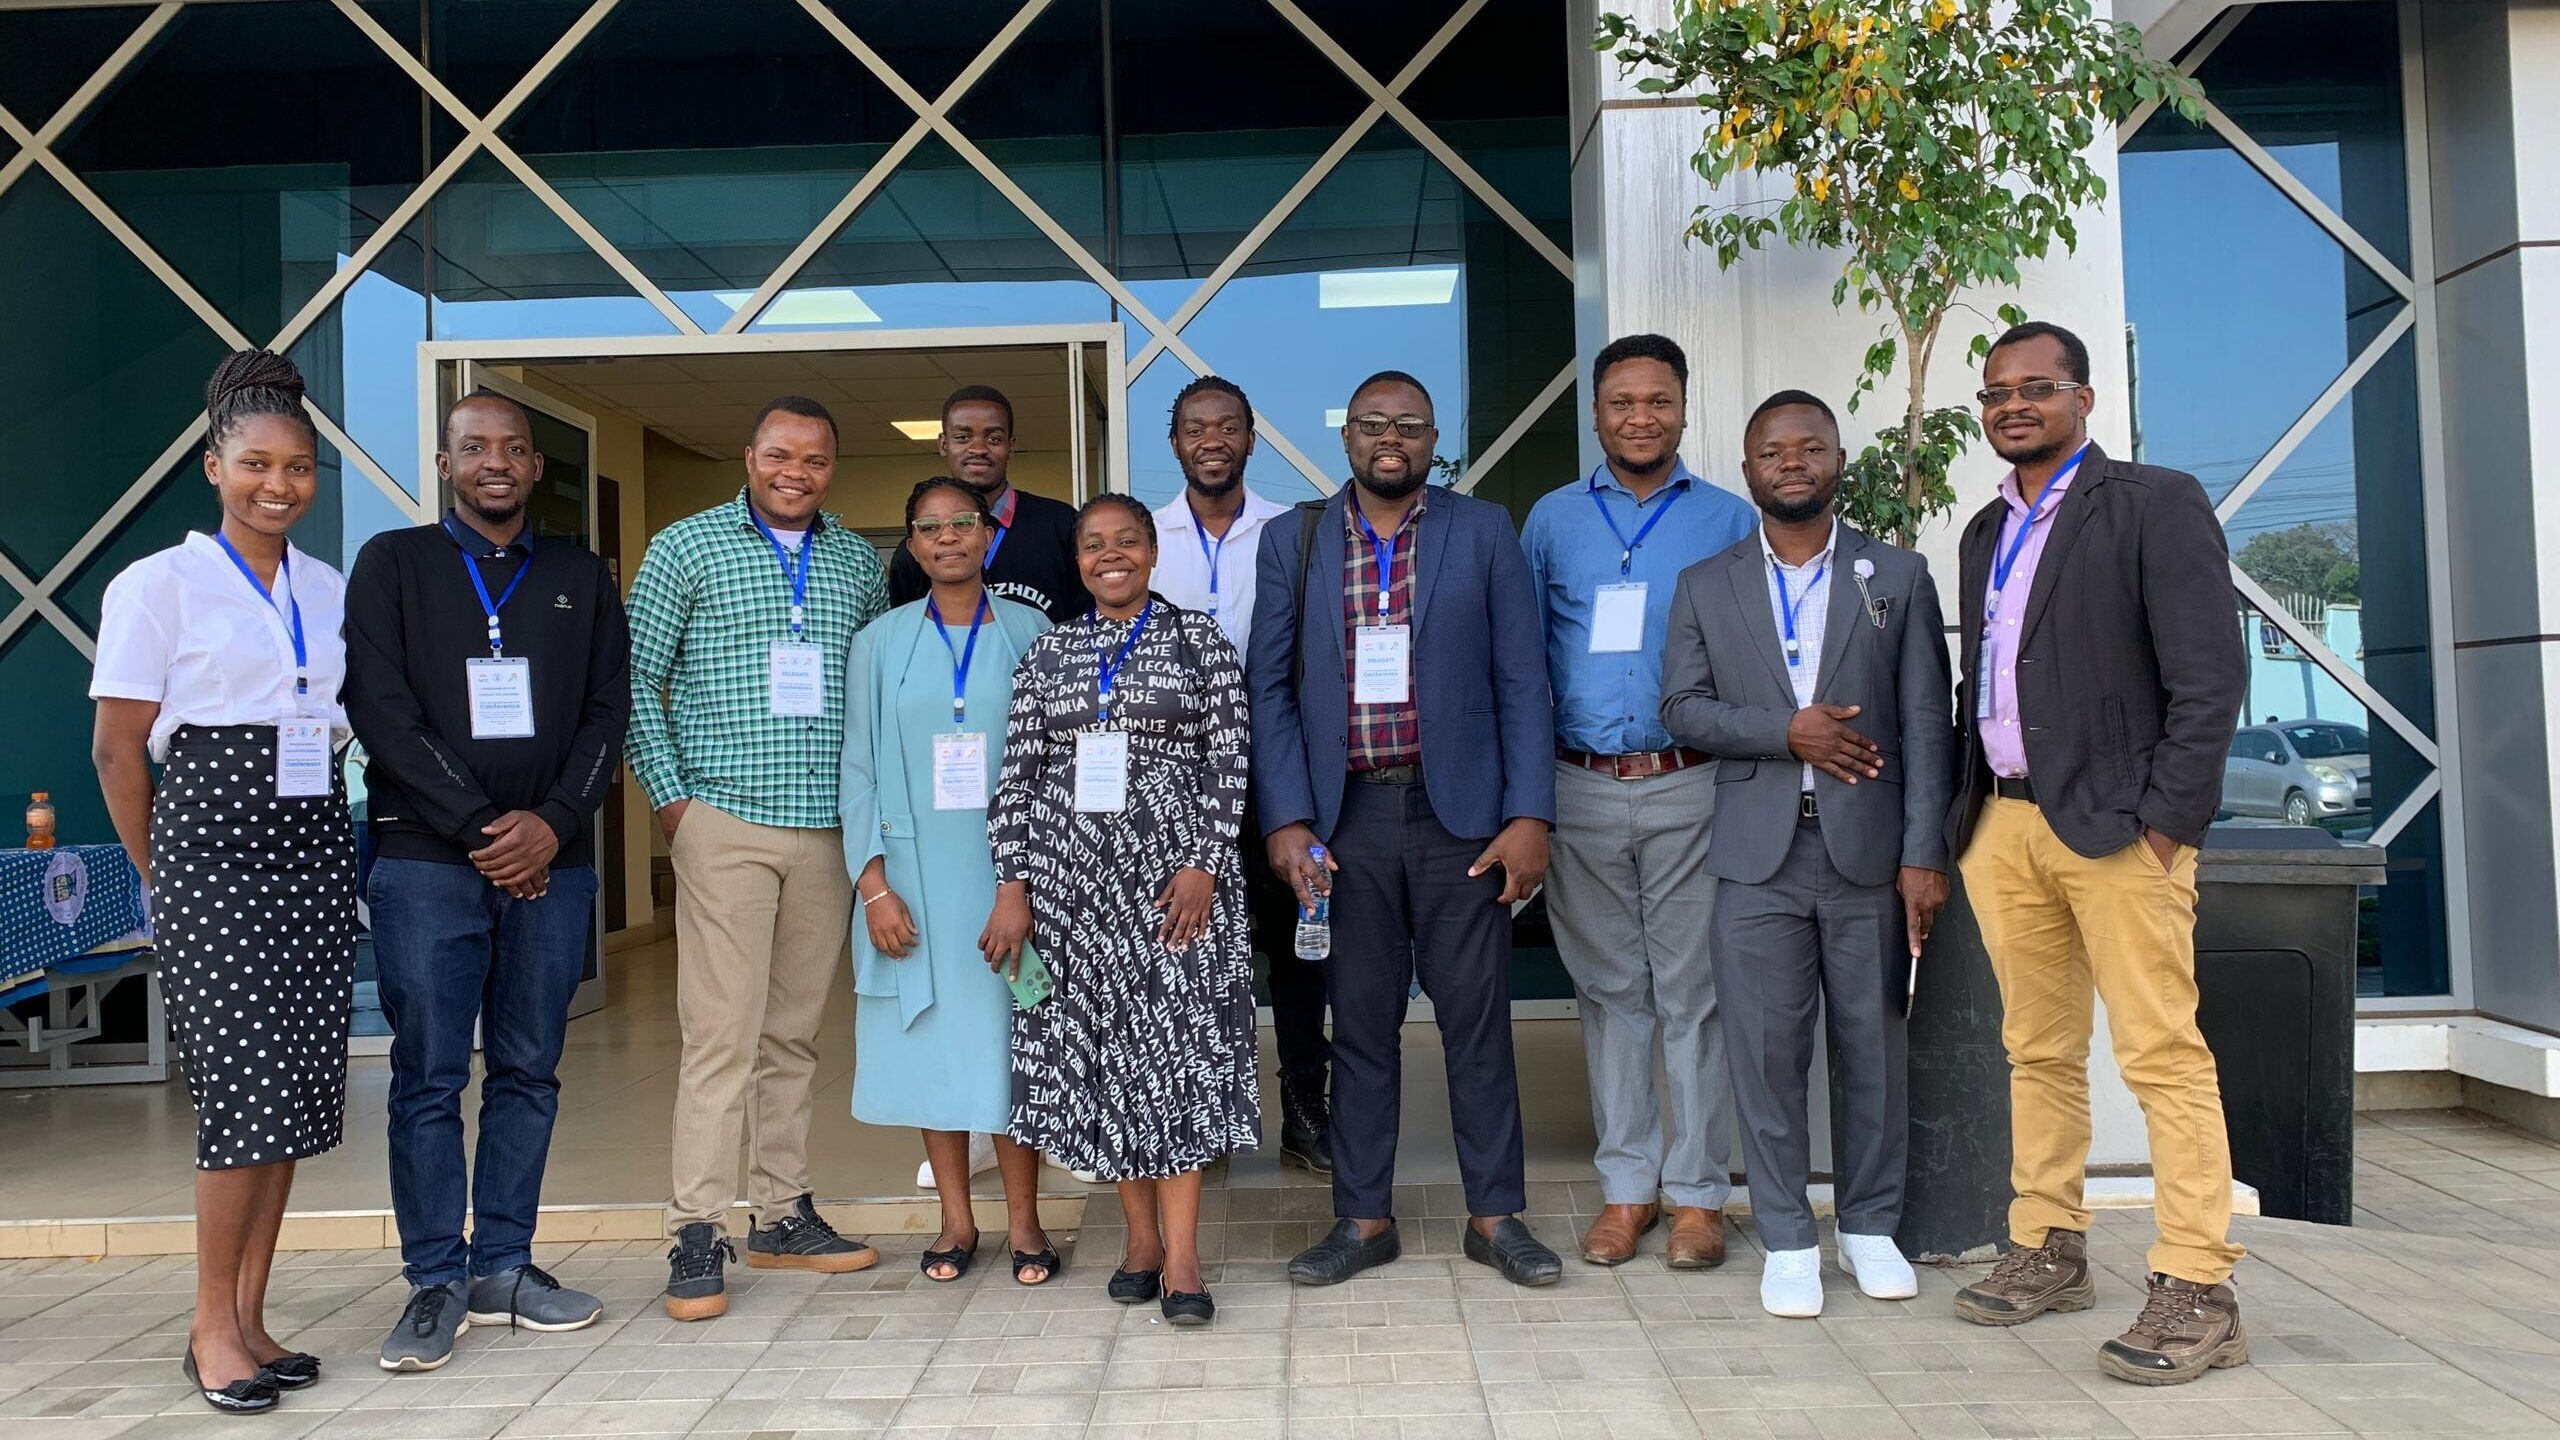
x=253, y=896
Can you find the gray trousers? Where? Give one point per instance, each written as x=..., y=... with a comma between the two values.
x=1808, y=938
x=1631, y=902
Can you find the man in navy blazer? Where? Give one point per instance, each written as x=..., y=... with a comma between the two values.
x=1401, y=722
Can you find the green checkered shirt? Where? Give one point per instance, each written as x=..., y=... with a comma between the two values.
x=709, y=604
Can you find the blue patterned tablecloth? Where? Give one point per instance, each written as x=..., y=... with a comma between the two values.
x=56, y=904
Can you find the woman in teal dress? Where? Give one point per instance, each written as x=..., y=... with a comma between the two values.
x=933, y=1030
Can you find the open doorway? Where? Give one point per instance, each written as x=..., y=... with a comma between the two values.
x=637, y=433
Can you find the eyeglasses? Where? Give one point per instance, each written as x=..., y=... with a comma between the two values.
x=1411, y=427
x=962, y=526
x=2038, y=391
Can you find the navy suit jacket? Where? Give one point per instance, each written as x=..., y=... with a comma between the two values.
x=1479, y=673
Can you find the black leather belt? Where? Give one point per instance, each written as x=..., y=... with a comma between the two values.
x=2017, y=787
x=1390, y=775
x=1807, y=808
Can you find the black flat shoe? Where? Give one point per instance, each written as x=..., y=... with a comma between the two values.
x=1046, y=1261
x=296, y=1371
x=1189, y=1307
x=252, y=1396
x=1342, y=1254
x=1515, y=1252
x=957, y=1257
x=1134, y=1287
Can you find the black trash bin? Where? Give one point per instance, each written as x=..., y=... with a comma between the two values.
x=2276, y=980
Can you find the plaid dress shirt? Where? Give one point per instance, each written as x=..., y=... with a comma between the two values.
x=710, y=602
x=1381, y=735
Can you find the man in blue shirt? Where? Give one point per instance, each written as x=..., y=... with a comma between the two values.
x=1628, y=892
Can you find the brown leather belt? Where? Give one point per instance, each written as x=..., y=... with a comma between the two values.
x=1643, y=765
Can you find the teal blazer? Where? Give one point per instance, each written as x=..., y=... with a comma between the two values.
x=923, y=849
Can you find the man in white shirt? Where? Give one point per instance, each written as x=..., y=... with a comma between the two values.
x=1209, y=535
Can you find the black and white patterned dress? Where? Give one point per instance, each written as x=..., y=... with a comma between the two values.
x=1141, y=1064
x=254, y=918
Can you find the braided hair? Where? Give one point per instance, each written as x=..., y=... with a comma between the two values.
x=1214, y=384
x=253, y=382
x=1126, y=501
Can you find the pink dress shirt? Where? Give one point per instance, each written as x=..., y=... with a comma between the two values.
x=2004, y=743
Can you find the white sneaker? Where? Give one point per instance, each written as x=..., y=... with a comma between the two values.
x=1791, y=1284
x=1881, y=1272
x=982, y=1158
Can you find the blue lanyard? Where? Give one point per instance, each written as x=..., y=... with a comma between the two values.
x=1111, y=667
x=1788, y=607
x=284, y=569
x=798, y=574
x=959, y=658
x=2008, y=559
x=471, y=563
x=1627, y=548
x=1200, y=532
x=1385, y=551
x=1002, y=530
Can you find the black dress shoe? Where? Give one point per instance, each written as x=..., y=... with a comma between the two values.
x=1339, y=1256
x=1189, y=1307
x=240, y=1397
x=1133, y=1287
x=1515, y=1252
x=296, y=1371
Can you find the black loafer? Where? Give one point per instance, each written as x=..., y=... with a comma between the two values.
x=1340, y=1255
x=1515, y=1252
x=240, y=1397
x=1134, y=1287
x=1189, y=1307
x=296, y=1371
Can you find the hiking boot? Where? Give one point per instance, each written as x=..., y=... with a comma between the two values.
x=2184, y=1330
x=697, y=1286
x=2030, y=1280
x=801, y=1239
x=525, y=1297
x=1304, y=1123
x=423, y=1340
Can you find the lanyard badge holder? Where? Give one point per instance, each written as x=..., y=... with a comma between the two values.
x=795, y=670
x=1102, y=755
x=960, y=758
x=1200, y=532
x=2004, y=562
x=302, y=745
x=501, y=689
x=1617, y=611
x=1787, y=607
x=1382, y=654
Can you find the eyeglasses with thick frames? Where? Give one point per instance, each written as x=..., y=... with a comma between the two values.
x=2037, y=391
x=962, y=526
x=1411, y=427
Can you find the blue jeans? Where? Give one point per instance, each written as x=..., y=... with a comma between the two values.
x=453, y=950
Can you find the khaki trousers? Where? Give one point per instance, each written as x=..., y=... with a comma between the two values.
x=762, y=916
x=2061, y=927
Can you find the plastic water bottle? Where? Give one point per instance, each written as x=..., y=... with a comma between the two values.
x=1315, y=928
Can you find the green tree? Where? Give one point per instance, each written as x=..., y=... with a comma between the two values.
x=2319, y=561
x=1935, y=143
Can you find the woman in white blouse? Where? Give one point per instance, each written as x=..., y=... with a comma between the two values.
x=220, y=660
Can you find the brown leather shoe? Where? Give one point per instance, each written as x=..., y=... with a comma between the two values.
x=1697, y=1239
x=2030, y=1280
x=1612, y=1239
x=2184, y=1330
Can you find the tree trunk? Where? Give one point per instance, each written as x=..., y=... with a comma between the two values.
x=1916, y=358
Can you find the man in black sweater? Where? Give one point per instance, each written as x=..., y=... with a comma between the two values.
x=487, y=677
x=1033, y=557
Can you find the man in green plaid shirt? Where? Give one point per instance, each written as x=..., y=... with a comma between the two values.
x=741, y=621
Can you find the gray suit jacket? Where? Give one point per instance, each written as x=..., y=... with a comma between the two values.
x=1725, y=691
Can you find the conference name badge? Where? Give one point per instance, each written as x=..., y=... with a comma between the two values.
x=1382, y=665
x=1617, y=619
x=501, y=698
x=302, y=759
x=796, y=679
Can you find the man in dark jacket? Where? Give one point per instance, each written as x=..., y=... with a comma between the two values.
x=2103, y=678
x=487, y=676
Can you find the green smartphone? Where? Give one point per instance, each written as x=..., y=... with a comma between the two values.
x=1030, y=980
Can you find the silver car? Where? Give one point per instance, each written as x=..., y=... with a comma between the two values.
x=2302, y=772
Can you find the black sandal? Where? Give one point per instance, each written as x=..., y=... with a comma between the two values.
x=1134, y=1287
x=957, y=1257
x=1044, y=1259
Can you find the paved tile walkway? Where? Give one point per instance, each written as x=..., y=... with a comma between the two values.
x=2370, y=1331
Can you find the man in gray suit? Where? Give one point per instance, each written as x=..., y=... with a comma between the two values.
x=1809, y=660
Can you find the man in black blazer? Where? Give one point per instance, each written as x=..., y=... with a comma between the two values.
x=2103, y=678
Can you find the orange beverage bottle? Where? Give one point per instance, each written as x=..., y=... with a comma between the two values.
x=40, y=821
